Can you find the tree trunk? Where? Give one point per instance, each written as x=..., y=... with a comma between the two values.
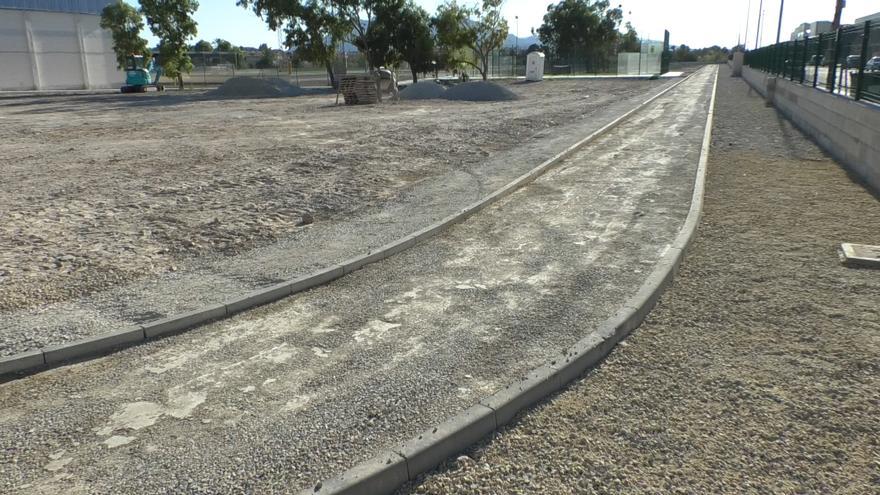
x=180, y=81
x=414, y=74
x=331, y=74
x=485, y=71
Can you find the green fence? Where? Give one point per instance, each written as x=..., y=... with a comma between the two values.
x=845, y=62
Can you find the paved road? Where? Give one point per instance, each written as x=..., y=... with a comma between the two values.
x=280, y=397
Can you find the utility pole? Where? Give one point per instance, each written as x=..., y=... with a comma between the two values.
x=758, y=36
x=838, y=9
x=748, y=18
x=779, y=28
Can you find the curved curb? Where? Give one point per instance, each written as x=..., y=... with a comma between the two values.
x=90, y=347
x=389, y=470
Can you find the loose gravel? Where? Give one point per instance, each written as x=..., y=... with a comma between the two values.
x=276, y=399
x=759, y=371
x=423, y=90
x=479, y=91
x=254, y=87
x=103, y=233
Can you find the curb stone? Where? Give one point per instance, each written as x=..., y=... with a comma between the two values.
x=548, y=378
x=24, y=363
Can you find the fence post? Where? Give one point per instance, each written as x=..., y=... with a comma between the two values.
x=804, y=60
x=832, y=69
x=818, y=56
x=863, y=58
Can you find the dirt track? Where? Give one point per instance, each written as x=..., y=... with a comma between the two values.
x=275, y=399
x=757, y=372
x=99, y=190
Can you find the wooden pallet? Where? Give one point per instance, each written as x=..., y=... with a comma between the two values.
x=359, y=89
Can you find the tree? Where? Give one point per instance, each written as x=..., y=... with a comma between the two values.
x=401, y=31
x=683, y=53
x=481, y=30
x=203, y=46
x=311, y=27
x=125, y=25
x=377, y=42
x=267, y=58
x=630, y=42
x=585, y=28
x=413, y=39
x=222, y=45
x=171, y=21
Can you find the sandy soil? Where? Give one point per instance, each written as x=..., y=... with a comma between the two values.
x=104, y=189
x=758, y=371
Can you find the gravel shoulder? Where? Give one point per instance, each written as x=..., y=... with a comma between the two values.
x=758, y=372
x=109, y=226
x=275, y=399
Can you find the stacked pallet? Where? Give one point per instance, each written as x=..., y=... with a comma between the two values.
x=359, y=89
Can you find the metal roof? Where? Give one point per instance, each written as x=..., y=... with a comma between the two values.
x=73, y=6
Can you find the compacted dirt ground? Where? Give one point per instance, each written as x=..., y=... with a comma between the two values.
x=759, y=371
x=100, y=190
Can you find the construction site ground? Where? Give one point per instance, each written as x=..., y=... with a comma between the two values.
x=283, y=396
x=758, y=372
x=122, y=209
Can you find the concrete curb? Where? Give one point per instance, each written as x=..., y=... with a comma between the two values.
x=430, y=449
x=27, y=362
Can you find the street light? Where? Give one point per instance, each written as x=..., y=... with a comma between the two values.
x=516, y=47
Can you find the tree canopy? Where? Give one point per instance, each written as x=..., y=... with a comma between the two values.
x=125, y=25
x=413, y=39
x=581, y=28
x=310, y=27
x=171, y=21
x=480, y=29
x=203, y=46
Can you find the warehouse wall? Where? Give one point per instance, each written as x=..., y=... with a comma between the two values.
x=55, y=50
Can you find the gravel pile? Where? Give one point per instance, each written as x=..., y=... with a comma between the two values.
x=253, y=87
x=424, y=90
x=479, y=91
x=759, y=372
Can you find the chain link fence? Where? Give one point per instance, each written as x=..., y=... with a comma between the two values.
x=845, y=62
x=213, y=68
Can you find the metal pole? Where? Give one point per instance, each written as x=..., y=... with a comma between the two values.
x=516, y=50
x=779, y=28
x=832, y=68
x=748, y=18
x=862, y=59
x=804, y=60
x=760, y=13
x=818, y=57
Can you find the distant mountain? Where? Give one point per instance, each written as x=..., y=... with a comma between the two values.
x=524, y=41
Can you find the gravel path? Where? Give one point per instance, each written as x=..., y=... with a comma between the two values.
x=278, y=398
x=107, y=229
x=758, y=372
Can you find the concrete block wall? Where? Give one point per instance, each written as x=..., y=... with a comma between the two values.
x=848, y=130
x=55, y=50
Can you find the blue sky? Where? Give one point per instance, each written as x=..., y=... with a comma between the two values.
x=696, y=23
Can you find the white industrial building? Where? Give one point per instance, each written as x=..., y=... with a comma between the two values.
x=811, y=29
x=55, y=44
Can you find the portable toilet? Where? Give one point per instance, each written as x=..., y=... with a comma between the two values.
x=535, y=66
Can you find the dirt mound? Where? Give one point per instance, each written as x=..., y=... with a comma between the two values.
x=479, y=91
x=253, y=87
x=425, y=90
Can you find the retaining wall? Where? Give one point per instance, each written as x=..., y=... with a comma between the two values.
x=848, y=130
